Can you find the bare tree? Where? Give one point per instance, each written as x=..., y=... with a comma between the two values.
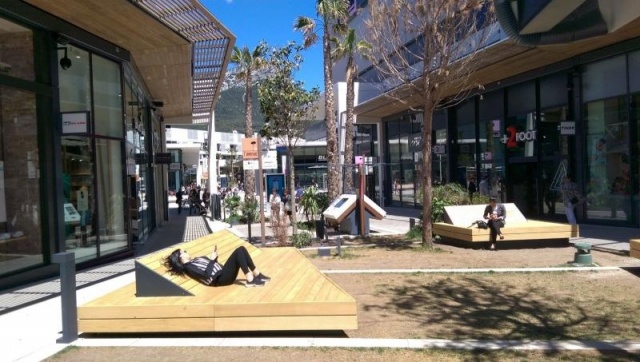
x=332, y=16
x=347, y=47
x=247, y=64
x=288, y=108
x=427, y=53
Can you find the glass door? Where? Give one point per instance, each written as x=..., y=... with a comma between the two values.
x=523, y=188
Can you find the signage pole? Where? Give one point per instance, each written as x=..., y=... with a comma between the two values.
x=261, y=194
x=361, y=199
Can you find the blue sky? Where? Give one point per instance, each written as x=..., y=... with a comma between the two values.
x=270, y=20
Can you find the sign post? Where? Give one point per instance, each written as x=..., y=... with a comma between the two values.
x=261, y=188
x=360, y=163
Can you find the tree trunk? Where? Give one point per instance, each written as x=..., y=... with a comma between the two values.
x=249, y=175
x=348, y=138
x=292, y=190
x=332, y=137
x=427, y=207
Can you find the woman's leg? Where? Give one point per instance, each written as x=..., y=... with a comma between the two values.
x=238, y=260
x=493, y=231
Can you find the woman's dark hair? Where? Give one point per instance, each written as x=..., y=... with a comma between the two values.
x=173, y=263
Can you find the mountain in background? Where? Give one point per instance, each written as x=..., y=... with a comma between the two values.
x=229, y=111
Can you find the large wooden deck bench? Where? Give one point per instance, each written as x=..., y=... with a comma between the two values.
x=634, y=248
x=459, y=219
x=299, y=296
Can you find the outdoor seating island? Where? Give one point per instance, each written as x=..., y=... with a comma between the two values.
x=459, y=225
x=299, y=296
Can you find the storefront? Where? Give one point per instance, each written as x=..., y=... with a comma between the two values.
x=79, y=129
x=522, y=135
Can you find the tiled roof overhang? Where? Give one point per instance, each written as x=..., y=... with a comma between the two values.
x=178, y=46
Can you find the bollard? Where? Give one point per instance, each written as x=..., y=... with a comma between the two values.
x=412, y=223
x=339, y=246
x=67, y=263
x=583, y=254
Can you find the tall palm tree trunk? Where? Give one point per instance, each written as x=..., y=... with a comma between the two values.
x=349, y=127
x=249, y=175
x=332, y=136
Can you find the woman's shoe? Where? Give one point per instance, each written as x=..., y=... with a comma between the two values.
x=254, y=283
x=263, y=277
x=493, y=247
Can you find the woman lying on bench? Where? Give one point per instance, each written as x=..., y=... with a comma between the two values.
x=209, y=272
x=495, y=214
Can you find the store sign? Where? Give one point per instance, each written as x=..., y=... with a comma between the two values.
x=250, y=148
x=568, y=128
x=269, y=162
x=415, y=142
x=513, y=137
x=162, y=158
x=75, y=123
x=140, y=158
x=439, y=149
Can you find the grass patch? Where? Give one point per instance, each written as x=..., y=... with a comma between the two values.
x=348, y=254
x=414, y=233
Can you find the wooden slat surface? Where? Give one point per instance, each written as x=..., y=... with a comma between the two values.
x=531, y=230
x=634, y=248
x=299, y=297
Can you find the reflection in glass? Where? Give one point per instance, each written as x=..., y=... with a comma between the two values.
x=16, y=57
x=79, y=196
x=20, y=225
x=111, y=223
x=607, y=144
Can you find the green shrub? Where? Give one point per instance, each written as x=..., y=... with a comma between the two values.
x=250, y=210
x=452, y=194
x=301, y=239
x=232, y=203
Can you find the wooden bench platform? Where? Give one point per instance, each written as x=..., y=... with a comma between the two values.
x=459, y=220
x=299, y=297
x=634, y=248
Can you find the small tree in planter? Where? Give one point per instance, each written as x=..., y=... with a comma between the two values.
x=249, y=209
x=314, y=203
x=233, y=204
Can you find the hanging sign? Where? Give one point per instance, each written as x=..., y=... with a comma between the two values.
x=568, y=128
x=75, y=123
x=250, y=148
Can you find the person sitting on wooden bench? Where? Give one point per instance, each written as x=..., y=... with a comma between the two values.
x=495, y=214
x=209, y=272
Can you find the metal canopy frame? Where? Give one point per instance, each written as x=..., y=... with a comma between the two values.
x=212, y=44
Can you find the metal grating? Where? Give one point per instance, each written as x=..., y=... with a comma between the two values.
x=212, y=44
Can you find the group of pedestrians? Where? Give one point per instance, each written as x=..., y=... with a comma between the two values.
x=195, y=197
x=287, y=203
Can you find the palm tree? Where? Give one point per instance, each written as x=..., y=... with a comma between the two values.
x=247, y=64
x=348, y=47
x=333, y=15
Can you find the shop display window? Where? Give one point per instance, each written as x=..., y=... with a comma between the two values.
x=20, y=224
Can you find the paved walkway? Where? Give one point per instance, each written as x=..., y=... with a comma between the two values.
x=31, y=318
